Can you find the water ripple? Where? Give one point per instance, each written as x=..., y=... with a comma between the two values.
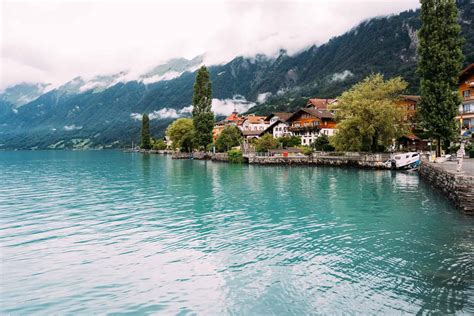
x=106, y=232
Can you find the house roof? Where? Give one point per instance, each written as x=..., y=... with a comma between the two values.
x=253, y=119
x=411, y=137
x=469, y=70
x=321, y=104
x=314, y=112
x=283, y=116
x=233, y=117
x=414, y=98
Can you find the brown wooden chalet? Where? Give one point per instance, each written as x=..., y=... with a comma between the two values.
x=310, y=119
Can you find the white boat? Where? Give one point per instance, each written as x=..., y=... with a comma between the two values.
x=404, y=161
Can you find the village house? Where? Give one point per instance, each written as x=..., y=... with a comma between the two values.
x=410, y=141
x=233, y=119
x=253, y=122
x=466, y=109
x=278, y=126
x=311, y=123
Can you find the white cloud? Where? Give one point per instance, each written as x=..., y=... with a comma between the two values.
x=55, y=40
x=227, y=106
x=167, y=76
x=219, y=107
x=72, y=127
x=262, y=97
x=341, y=76
x=165, y=113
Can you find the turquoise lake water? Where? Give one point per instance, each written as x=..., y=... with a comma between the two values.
x=109, y=232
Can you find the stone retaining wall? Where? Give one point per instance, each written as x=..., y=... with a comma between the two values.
x=458, y=187
x=376, y=161
x=178, y=155
x=199, y=155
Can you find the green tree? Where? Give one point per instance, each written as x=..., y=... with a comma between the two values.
x=146, y=143
x=181, y=133
x=306, y=150
x=368, y=115
x=228, y=138
x=203, y=117
x=158, y=144
x=322, y=143
x=289, y=141
x=265, y=143
x=440, y=61
x=235, y=156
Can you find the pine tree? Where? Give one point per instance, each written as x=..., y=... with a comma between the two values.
x=146, y=143
x=439, y=64
x=203, y=117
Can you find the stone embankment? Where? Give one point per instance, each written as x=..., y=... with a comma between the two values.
x=201, y=156
x=456, y=186
x=370, y=161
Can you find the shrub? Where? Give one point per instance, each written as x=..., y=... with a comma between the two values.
x=322, y=144
x=289, y=141
x=265, y=143
x=235, y=156
x=305, y=150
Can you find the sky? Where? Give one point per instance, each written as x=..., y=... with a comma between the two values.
x=54, y=41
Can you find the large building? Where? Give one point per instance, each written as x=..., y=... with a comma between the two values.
x=466, y=109
x=254, y=123
x=311, y=123
x=278, y=125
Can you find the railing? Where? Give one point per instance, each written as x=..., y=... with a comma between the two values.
x=304, y=128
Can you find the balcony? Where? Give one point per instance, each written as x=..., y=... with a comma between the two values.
x=303, y=129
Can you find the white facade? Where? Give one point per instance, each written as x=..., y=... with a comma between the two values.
x=308, y=137
x=327, y=131
x=281, y=130
x=254, y=126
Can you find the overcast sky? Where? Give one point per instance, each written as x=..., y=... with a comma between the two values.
x=54, y=41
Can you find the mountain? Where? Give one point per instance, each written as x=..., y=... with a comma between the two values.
x=22, y=93
x=104, y=111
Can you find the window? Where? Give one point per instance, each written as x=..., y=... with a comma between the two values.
x=467, y=108
x=466, y=94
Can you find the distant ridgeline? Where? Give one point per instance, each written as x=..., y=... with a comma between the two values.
x=104, y=111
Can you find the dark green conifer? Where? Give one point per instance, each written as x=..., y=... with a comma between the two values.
x=146, y=143
x=203, y=117
x=440, y=61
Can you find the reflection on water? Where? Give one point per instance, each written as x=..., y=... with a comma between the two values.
x=96, y=232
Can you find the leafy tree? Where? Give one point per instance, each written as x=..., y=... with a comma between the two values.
x=235, y=156
x=440, y=61
x=368, y=115
x=158, y=144
x=306, y=150
x=289, y=141
x=203, y=117
x=265, y=143
x=181, y=133
x=322, y=144
x=228, y=138
x=146, y=143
